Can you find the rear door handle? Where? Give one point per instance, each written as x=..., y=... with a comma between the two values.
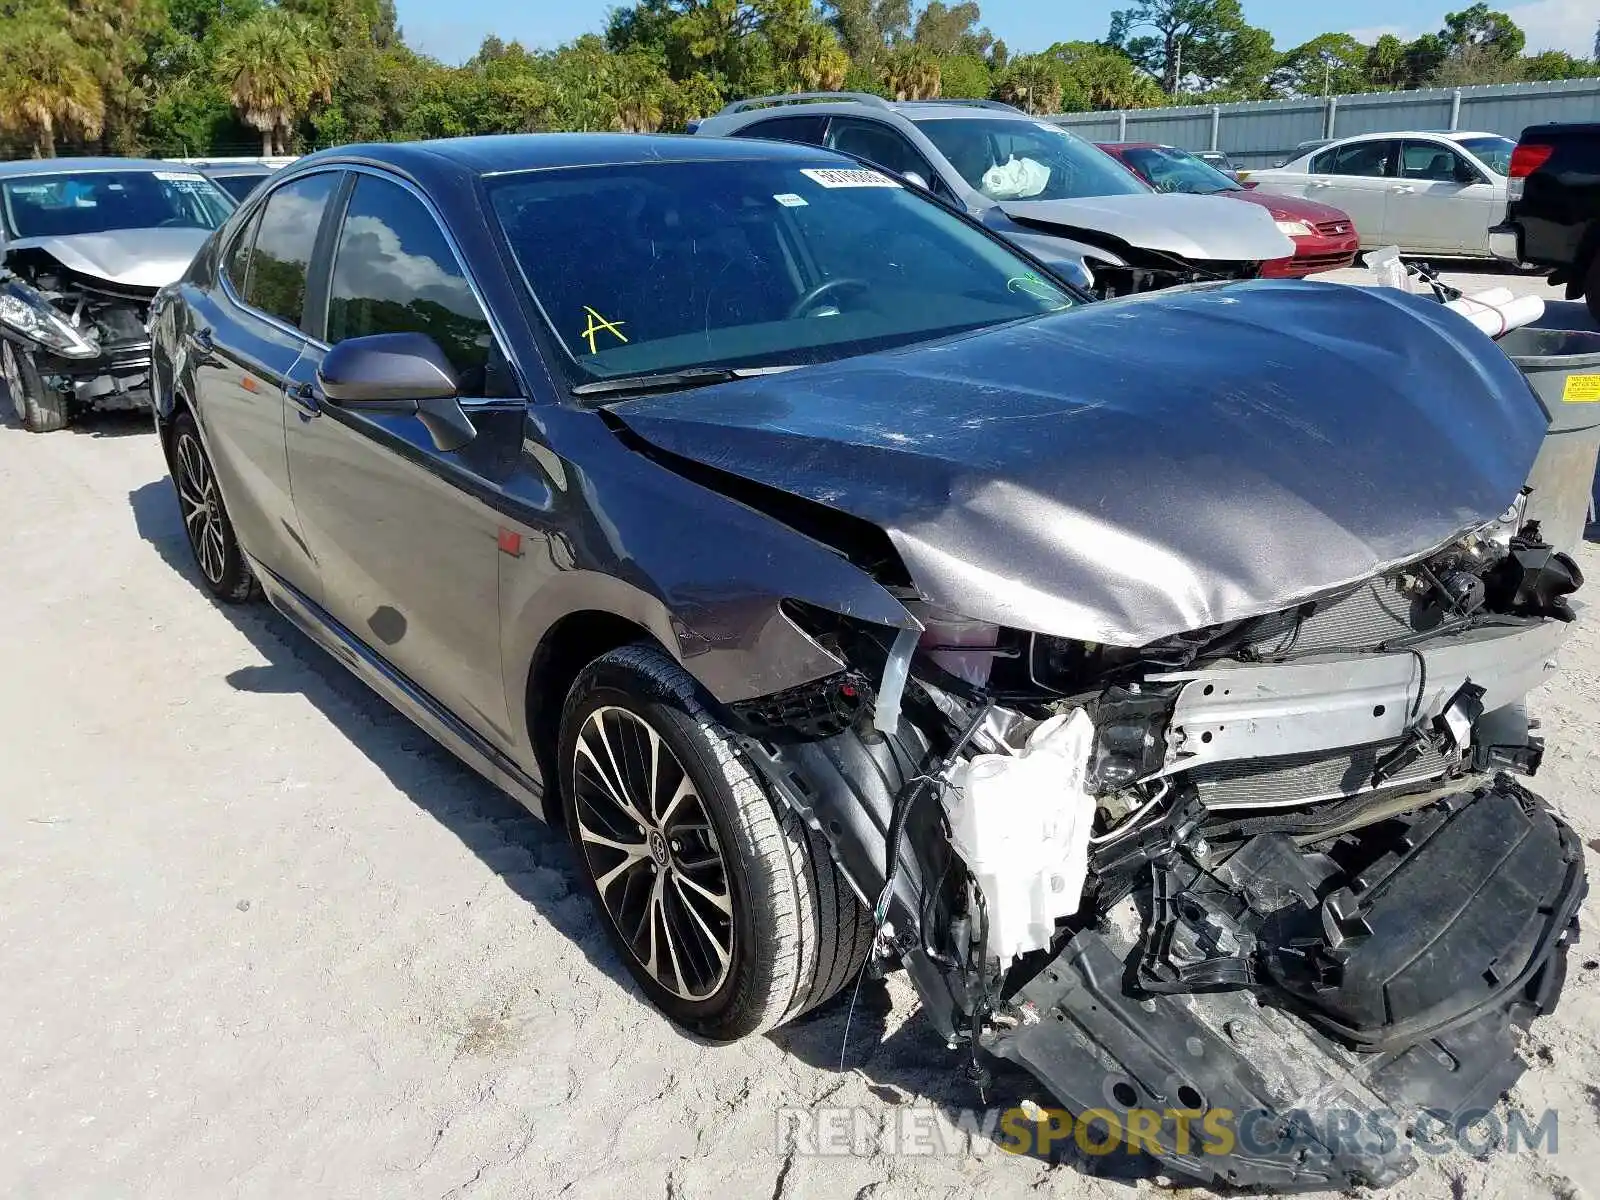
x=304, y=397
x=1403, y=189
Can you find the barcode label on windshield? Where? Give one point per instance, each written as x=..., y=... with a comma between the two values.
x=846, y=177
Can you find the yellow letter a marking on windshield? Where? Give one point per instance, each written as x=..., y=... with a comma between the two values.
x=597, y=323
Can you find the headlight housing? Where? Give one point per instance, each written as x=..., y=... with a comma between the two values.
x=25, y=311
x=1294, y=228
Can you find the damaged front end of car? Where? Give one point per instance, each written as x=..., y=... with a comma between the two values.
x=86, y=337
x=1194, y=788
x=1278, y=868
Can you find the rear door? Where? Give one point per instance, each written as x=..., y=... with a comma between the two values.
x=1440, y=201
x=245, y=352
x=1355, y=177
x=406, y=536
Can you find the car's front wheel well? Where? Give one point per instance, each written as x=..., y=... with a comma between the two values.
x=569, y=646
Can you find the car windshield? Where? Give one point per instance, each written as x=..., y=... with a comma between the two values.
x=1169, y=170
x=659, y=267
x=61, y=205
x=1009, y=159
x=1493, y=152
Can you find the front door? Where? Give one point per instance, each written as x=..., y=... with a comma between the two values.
x=245, y=343
x=406, y=537
x=1440, y=201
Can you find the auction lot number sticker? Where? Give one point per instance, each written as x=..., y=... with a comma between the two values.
x=847, y=177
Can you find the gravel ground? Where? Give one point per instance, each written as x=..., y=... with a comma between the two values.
x=260, y=937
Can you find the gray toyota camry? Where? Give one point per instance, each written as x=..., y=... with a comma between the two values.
x=1144, y=678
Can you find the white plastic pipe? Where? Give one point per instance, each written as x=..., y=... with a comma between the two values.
x=1497, y=317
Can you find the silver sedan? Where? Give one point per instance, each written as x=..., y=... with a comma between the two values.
x=1434, y=193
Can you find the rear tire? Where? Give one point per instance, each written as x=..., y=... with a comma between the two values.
x=791, y=930
x=40, y=409
x=222, y=564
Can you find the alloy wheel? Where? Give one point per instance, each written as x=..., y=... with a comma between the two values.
x=653, y=853
x=202, y=507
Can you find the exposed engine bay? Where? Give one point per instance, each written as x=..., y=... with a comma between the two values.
x=87, y=337
x=1275, y=866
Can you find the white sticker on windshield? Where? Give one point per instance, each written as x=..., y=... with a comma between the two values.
x=790, y=200
x=847, y=177
x=179, y=176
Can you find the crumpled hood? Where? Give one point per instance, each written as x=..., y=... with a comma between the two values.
x=1194, y=227
x=141, y=258
x=1134, y=469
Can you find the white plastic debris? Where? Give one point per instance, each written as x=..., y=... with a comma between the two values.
x=1021, y=824
x=1390, y=271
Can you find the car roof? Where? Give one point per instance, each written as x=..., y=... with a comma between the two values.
x=68, y=166
x=227, y=169
x=497, y=154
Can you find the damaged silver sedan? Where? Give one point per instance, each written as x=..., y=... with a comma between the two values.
x=84, y=246
x=1145, y=678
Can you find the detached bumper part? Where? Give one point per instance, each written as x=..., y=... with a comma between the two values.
x=1505, y=243
x=1398, y=994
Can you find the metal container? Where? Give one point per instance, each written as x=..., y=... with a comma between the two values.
x=1563, y=365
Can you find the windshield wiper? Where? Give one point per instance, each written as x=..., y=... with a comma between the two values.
x=673, y=381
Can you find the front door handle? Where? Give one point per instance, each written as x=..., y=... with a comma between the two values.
x=1402, y=189
x=304, y=397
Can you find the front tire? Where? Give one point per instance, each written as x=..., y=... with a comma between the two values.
x=222, y=564
x=40, y=409
x=726, y=908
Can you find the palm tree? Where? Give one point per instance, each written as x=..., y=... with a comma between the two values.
x=47, y=87
x=275, y=66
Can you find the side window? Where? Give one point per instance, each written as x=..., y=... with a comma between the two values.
x=285, y=236
x=787, y=129
x=237, y=260
x=1369, y=159
x=394, y=272
x=1432, y=162
x=878, y=144
x=1322, y=164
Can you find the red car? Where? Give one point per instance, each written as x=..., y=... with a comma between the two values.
x=1324, y=237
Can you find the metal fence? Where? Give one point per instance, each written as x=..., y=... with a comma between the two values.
x=1264, y=133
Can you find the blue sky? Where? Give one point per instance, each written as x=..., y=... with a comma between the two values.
x=452, y=30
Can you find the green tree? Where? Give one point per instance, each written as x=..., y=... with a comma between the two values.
x=950, y=29
x=1483, y=29
x=1206, y=41
x=1094, y=77
x=965, y=77
x=1329, y=65
x=48, y=86
x=1386, y=62
x=275, y=66
x=1031, y=83
x=1556, y=64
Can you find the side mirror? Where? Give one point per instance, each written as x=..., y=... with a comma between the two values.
x=398, y=373
x=1467, y=173
x=1074, y=270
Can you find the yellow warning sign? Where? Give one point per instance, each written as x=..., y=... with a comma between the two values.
x=597, y=323
x=1582, y=389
